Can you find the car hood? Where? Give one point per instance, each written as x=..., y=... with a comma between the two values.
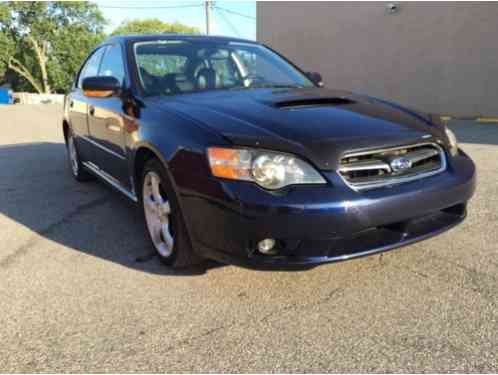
x=316, y=123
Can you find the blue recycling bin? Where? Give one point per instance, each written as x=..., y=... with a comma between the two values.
x=6, y=96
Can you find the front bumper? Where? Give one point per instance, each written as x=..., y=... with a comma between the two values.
x=320, y=224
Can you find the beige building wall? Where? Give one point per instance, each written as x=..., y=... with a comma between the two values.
x=437, y=57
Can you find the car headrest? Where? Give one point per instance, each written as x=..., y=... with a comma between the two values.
x=206, y=79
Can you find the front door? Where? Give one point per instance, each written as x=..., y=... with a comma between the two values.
x=106, y=122
x=77, y=107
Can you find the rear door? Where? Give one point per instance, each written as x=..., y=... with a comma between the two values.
x=106, y=119
x=77, y=106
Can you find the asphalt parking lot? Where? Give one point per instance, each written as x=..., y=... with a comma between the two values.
x=81, y=292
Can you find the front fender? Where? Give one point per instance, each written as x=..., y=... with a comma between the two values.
x=179, y=143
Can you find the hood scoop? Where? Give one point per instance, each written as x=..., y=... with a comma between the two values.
x=313, y=102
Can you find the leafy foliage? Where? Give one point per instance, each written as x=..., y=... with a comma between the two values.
x=43, y=44
x=47, y=41
x=153, y=26
x=6, y=43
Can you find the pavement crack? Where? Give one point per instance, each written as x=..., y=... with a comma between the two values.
x=191, y=340
x=278, y=311
x=297, y=306
x=23, y=250
x=418, y=273
x=480, y=281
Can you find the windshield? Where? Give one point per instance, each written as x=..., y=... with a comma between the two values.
x=175, y=67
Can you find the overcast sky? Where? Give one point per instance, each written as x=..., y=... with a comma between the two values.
x=192, y=14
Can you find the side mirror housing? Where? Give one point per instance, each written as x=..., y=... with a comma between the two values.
x=101, y=87
x=316, y=78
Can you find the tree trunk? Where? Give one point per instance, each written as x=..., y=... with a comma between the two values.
x=41, y=54
x=20, y=69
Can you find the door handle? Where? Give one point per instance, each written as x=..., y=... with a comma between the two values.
x=92, y=111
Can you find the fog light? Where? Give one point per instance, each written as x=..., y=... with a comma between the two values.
x=266, y=246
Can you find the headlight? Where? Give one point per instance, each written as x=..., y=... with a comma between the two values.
x=452, y=140
x=270, y=170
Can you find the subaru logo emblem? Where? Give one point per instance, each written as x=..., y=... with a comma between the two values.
x=400, y=164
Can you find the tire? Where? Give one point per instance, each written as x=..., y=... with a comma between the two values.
x=78, y=171
x=163, y=219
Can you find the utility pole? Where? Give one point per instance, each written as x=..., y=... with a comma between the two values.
x=209, y=18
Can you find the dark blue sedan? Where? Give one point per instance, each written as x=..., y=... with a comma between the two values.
x=234, y=153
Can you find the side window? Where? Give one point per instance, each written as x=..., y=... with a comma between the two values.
x=91, y=68
x=112, y=64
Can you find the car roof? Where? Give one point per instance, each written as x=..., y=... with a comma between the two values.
x=171, y=36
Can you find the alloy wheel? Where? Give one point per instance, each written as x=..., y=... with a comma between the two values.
x=157, y=214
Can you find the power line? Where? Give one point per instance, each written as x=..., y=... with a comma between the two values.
x=236, y=13
x=151, y=7
x=230, y=24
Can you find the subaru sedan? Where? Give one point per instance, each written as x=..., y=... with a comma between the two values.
x=234, y=153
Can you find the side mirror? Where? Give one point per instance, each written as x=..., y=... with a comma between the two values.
x=316, y=78
x=101, y=87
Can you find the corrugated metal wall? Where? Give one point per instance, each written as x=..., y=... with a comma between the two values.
x=438, y=57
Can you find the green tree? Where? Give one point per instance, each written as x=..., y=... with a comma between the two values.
x=6, y=43
x=153, y=26
x=47, y=41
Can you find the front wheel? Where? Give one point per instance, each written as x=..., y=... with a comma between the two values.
x=164, y=222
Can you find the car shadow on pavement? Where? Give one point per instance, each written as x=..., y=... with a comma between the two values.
x=38, y=192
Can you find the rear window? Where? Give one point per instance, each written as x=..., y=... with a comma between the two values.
x=161, y=65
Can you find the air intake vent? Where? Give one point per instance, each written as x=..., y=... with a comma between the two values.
x=313, y=102
x=367, y=170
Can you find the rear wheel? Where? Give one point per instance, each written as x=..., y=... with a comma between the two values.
x=77, y=169
x=163, y=219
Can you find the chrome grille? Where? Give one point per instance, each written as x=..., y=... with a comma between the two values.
x=371, y=169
